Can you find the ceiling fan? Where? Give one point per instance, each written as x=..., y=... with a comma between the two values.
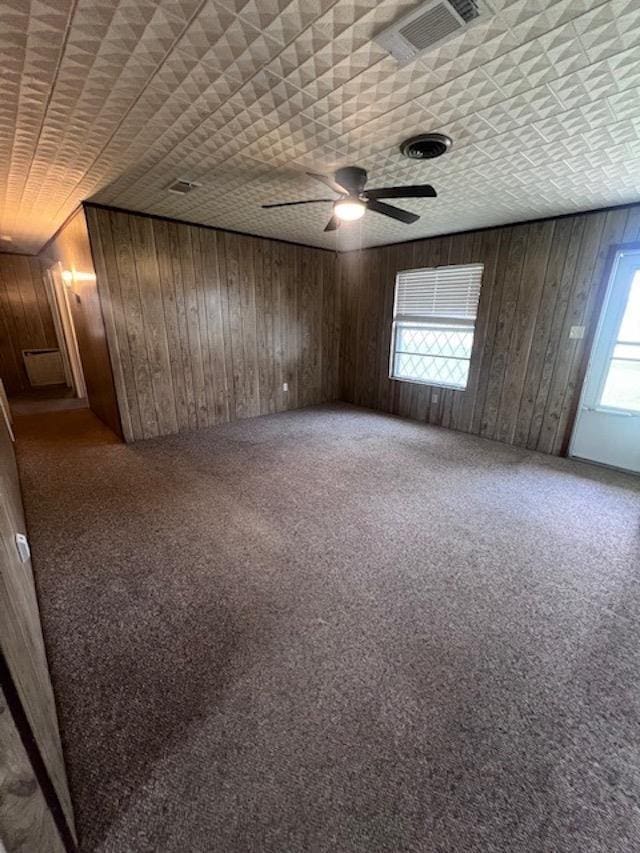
x=354, y=200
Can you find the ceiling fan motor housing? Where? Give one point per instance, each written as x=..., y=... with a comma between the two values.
x=352, y=178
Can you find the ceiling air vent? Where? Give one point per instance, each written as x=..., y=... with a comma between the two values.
x=182, y=187
x=426, y=146
x=431, y=23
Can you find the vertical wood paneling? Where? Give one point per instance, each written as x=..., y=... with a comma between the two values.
x=485, y=248
x=509, y=274
x=25, y=317
x=540, y=279
x=134, y=329
x=189, y=257
x=206, y=326
x=21, y=638
x=264, y=326
x=534, y=270
x=541, y=329
x=554, y=417
x=154, y=329
x=167, y=287
x=558, y=302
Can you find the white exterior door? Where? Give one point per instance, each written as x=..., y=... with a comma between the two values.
x=607, y=428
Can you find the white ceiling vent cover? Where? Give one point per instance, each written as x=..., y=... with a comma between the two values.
x=182, y=187
x=431, y=23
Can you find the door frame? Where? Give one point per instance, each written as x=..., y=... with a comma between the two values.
x=65, y=329
x=602, y=300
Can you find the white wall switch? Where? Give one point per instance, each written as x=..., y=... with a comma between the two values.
x=285, y=386
x=435, y=396
x=22, y=544
x=576, y=333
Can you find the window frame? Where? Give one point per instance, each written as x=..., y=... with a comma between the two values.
x=447, y=322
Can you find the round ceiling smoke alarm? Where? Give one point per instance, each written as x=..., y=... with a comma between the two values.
x=426, y=146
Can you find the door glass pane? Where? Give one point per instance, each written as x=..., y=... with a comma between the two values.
x=622, y=387
x=630, y=326
x=631, y=351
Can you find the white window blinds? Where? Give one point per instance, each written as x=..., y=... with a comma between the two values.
x=438, y=294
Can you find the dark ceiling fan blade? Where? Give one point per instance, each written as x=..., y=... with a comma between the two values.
x=415, y=191
x=393, y=212
x=333, y=224
x=329, y=182
x=289, y=203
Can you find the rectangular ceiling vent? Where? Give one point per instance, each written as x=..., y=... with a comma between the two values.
x=182, y=187
x=430, y=24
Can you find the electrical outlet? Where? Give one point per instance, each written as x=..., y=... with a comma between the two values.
x=285, y=386
x=576, y=333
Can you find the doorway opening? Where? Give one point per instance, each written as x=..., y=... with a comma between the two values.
x=65, y=331
x=607, y=427
x=54, y=389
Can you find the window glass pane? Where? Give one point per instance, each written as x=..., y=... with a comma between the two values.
x=630, y=326
x=434, y=340
x=434, y=369
x=622, y=387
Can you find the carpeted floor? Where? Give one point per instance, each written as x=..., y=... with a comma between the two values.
x=334, y=630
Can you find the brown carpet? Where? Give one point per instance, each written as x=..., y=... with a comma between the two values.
x=334, y=630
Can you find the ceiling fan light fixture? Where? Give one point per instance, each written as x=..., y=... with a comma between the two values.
x=349, y=209
x=354, y=200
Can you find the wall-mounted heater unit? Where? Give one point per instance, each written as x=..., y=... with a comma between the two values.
x=430, y=24
x=44, y=366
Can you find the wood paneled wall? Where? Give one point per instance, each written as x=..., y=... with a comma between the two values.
x=21, y=639
x=539, y=280
x=25, y=317
x=206, y=326
x=70, y=247
x=25, y=820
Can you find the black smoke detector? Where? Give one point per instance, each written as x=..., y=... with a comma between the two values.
x=426, y=146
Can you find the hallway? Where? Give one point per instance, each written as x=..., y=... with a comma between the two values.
x=254, y=647
x=52, y=398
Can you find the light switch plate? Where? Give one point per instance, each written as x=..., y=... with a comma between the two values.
x=576, y=333
x=22, y=544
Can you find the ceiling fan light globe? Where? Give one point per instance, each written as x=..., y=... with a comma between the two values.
x=349, y=209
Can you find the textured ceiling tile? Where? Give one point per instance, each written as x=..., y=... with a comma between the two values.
x=245, y=95
x=626, y=104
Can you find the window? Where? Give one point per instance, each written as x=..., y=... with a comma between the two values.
x=434, y=319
